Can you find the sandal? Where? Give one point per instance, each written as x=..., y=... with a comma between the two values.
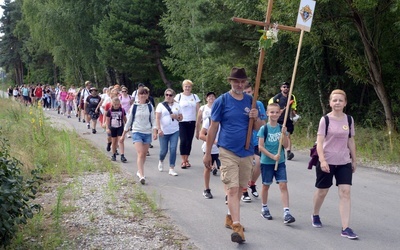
x=183, y=165
x=187, y=164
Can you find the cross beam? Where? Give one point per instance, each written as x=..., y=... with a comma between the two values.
x=266, y=26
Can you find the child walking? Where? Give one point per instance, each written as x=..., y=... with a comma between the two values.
x=115, y=121
x=270, y=153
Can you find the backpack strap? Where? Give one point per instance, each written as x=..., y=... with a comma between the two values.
x=266, y=130
x=349, y=121
x=150, y=109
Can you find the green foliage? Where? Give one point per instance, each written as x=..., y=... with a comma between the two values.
x=15, y=194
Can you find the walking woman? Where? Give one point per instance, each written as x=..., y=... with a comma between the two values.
x=168, y=115
x=337, y=158
x=190, y=104
x=142, y=121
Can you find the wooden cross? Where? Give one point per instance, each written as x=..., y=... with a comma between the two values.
x=266, y=26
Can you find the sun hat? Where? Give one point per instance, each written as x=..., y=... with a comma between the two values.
x=237, y=73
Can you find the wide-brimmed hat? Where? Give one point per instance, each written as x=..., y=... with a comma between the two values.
x=238, y=73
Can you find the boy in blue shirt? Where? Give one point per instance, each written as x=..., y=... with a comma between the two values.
x=269, y=155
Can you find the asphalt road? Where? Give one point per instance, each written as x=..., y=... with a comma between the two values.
x=375, y=201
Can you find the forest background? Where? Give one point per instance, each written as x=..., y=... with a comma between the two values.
x=352, y=45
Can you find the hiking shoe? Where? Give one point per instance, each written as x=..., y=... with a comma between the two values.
x=265, y=213
x=123, y=159
x=254, y=190
x=290, y=156
x=288, y=218
x=79, y=119
x=228, y=221
x=160, y=166
x=214, y=171
x=113, y=157
x=143, y=180
x=246, y=197
x=108, y=146
x=316, y=221
x=88, y=126
x=83, y=121
x=207, y=194
x=172, y=172
x=348, y=232
x=148, y=153
x=237, y=235
x=94, y=131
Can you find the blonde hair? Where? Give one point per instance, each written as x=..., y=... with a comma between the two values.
x=340, y=92
x=187, y=82
x=274, y=104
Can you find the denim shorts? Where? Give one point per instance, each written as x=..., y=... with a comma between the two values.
x=268, y=173
x=140, y=137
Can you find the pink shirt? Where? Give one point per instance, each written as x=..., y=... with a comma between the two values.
x=336, y=151
x=63, y=95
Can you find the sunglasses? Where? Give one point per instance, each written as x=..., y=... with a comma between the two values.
x=285, y=87
x=144, y=93
x=170, y=95
x=123, y=91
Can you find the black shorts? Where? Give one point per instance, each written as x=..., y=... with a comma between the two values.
x=289, y=125
x=343, y=175
x=115, y=132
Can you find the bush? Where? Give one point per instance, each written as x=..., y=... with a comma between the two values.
x=15, y=194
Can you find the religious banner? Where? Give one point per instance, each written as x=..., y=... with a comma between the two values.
x=305, y=15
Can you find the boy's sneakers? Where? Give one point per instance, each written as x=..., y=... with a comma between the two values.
x=288, y=218
x=207, y=194
x=316, y=221
x=123, y=159
x=265, y=213
x=246, y=197
x=160, y=166
x=113, y=157
x=348, y=232
x=254, y=190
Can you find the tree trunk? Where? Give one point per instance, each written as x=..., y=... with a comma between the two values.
x=374, y=68
x=160, y=67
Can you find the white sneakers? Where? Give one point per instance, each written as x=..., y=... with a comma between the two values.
x=172, y=172
x=160, y=166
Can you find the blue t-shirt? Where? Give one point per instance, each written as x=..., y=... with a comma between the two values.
x=271, y=143
x=263, y=116
x=233, y=117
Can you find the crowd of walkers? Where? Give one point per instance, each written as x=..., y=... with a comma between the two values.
x=222, y=123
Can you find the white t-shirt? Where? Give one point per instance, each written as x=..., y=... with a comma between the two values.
x=214, y=148
x=167, y=125
x=188, y=106
x=206, y=111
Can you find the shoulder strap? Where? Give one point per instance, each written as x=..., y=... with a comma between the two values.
x=180, y=95
x=276, y=97
x=168, y=108
x=326, y=124
x=349, y=120
x=265, y=132
x=134, y=108
x=150, y=109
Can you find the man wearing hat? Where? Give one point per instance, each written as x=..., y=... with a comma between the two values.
x=92, y=108
x=232, y=111
x=282, y=99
